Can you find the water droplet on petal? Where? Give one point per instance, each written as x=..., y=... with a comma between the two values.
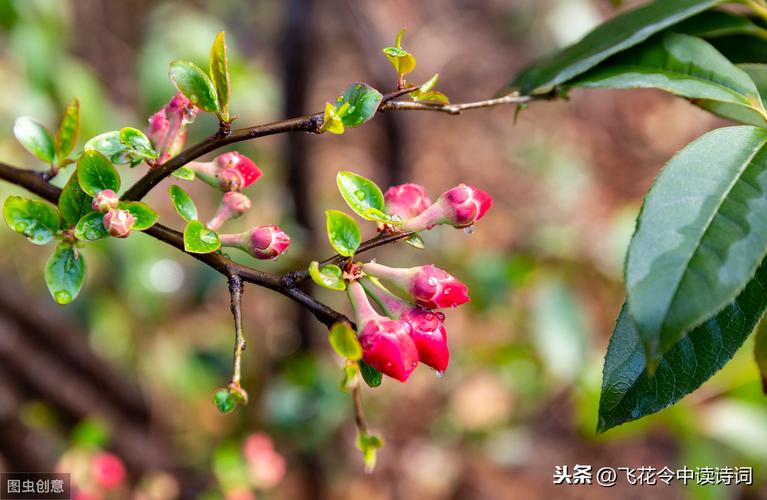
x=432, y=281
x=439, y=374
x=469, y=230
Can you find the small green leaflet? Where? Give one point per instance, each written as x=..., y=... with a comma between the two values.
x=183, y=203
x=200, y=239
x=91, y=227
x=195, y=84
x=35, y=138
x=329, y=276
x=143, y=214
x=66, y=137
x=37, y=220
x=361, y=195
x=96, y=173
x=344, y=341
x=370, y=375
x=363, y=101
x=343, y=232
x=74, y=203
x=65, y=273
x=219, y=73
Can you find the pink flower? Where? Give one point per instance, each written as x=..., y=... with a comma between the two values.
x=105, y=201
x=233, y=205
x=119, y=223
x=386, y=343
x=166, y=127
x=267, y=466
x=262, y=242
x=107, y=470
x=460, y=207
x=430, y=286
x=228, y=172
x=406, y=200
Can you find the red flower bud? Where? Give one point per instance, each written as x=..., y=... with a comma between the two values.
x=119, y=223
x=233, y=204
x=430, y=286
x=228, y=172
x=262, y=242
x=460, y=207
x=166, y=127
x=105, y=201
x=108, y=470
x=406, y=200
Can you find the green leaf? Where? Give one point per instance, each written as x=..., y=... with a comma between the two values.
x=415, y=241
x=697, y=241
x=717, y=23
x=614, y=36
x=351, y=369
x=37, y=220
x=195, y=84
x=96, y=173
x=109, y=145
x=200, y=239
x=66, y=137
x=681, y=64
x=329, y=276
x=369, y=444
x=370, y=375
x=35, y=138
x=344, y=341
x=139, y=144
x=74, y=203
x=343, y=232
x=143, y=214
x=65, y=273
x=361, y=194
x=184, y=173
x=219, y=73
x=402, y=60
x=760, y=352
x=363, y=103
x=758, y=74
x=91, y=227
x=332, y=120
x=629, y=393
x=224, y=401
x=183, y=203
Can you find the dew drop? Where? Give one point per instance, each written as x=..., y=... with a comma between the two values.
x=62, y=297
x=415, y=363
x=441, y=316
x=388, y=364
x=469, y=230
x=432, y=281
x=360, y=194
x=439, y=374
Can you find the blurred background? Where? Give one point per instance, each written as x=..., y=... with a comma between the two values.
x=116, y=387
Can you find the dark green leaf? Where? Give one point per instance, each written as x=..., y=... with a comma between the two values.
x=219, y=72
x=37, y=220
x=91, y=227
x=96, y=173
x=760, y=352
x=370, y=375
x=224, y=401
x=135, y=140
x=329, y=276
x=698, y=240
x=143, y=214
x=758, y=74
x=74, y=203
x=363, y=103
x=360, y=194
x=65, y=273
x=343, y=232
x=109, y=145
x=344, y=341
x=741, y=48
x=614, y=36
x=195, y=84
x=717, y=23
x=37, y=139
x=184, y=173
x=200, y=239
x=629, y=393
x=183, y=203
x=66, y=137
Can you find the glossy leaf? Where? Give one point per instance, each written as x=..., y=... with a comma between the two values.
x=758, y=74
x=629, y=393
x=66, y=137
x=343, y=232
x=344, y=341
x=91, y=227
x=195, y=84
x=718, y=23
x=200, y=239
x=615, y=35
x=369, y=444
x=184, y=173
x=402, y=60
x=96, y=173
x=183, y=203
x=65, y=273
x=760, y=353
x=138, y=143
x=145, y=217
x=681, y=64
x=219, y=73
x=74, y=203
x=329, y=276
x=37, y=220
x=370, y=375
x=332, y=119
x=109, y=145
x=698, y=240
x=363, y=103
x=415, y=241
x=35, y=138
x=361, y=194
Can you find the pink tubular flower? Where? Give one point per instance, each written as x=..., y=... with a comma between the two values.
x=427, y=327
x=233, y=205
x=386, y=343
x=262, y=242
x=108, y=470
x=430, y=286
x=460, y=207
x=119, y=223
x=105, y=201
x=228, y=172
x=166, y=127
x=406, y=200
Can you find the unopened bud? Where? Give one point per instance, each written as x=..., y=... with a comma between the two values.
x=406, y=200
x=105, y=201
x=262, y=242
x=429, y=286
x=460, y=207
x=119, y=223
x=233, y=205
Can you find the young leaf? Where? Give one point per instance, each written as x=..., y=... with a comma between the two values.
x=224, y=401
x=329, y=276
x=343, y=232
x=609, y=38
x=96, y=173
x=184, y=173
x=195, y=84
x=402, y=60
x=368, y=444
x=183, y=203
x=66, y=137
x=74, y=203
x=35, y=138
x=143, y=214
x=361, y=194
x=363, y=103
x=332, y=120
x=370, y=375
x=109, y=145
x=760, y=353
x=427, y=93
x=37, y=220
x=344, y=341
x=91, y=227
x=351, y=369
x=135, y=140
x=200, y=239
x=219, y=73
x=65, y=273
x=629, y=392
x=696, y=245
x=415, y=241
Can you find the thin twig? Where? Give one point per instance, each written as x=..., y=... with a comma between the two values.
x=235, y=291
x=457, y=109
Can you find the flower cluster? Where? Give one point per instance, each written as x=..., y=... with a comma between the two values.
x=167, y=127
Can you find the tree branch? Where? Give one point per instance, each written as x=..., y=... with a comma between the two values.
x=457, y=109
